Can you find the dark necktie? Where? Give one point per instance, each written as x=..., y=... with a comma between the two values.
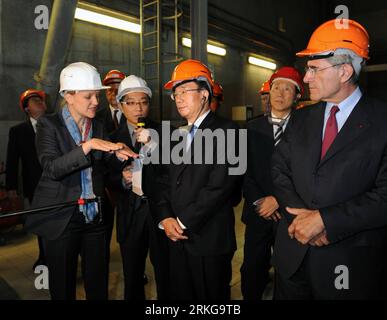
x=330, y=131
x=278, y=135
x=115, y=118
x=136, y=145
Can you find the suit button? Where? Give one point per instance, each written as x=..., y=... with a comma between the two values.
x=178, y=182
x=314, y=203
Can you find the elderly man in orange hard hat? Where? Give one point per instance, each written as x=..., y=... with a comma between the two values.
x=196, y=205
x=330, y=177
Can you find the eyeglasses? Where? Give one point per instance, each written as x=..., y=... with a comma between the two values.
x=182, y=93
x=314, y=70
x=134, y=103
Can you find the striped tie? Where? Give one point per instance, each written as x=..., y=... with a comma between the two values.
x=278, y=135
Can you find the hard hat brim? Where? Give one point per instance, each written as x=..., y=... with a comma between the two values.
x=170, y=84
x=129, y=90
x=91, y=89
x=307, y=52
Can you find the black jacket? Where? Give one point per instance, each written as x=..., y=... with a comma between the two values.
x=105, y=116
x=62, y=161
x=127, y=201
x=21, y=147
x=348, y=186
x=257, y=181
x=201, y=196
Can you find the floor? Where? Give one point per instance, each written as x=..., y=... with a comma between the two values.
x=17, y=280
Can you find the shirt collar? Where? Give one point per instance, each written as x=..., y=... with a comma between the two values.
x=199, y=120
x=112, y=109
x=346, y=106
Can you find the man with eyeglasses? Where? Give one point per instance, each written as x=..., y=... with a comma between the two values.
x=260, y=213
x=137, y=232
x=330, y=178
x=195, y=208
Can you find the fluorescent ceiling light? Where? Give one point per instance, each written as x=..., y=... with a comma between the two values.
x=105, y=20
x=262, y=63
x=210, y=48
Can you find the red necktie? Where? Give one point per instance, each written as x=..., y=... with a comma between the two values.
x=330, y=131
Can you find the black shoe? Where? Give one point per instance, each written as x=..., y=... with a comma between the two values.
x=145, y=279
x=38, y=262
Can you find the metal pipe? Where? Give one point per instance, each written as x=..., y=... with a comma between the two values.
x=57, y=206
x=199, y=30
x=56, y=48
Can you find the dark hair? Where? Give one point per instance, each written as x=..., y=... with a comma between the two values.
x=201, y=85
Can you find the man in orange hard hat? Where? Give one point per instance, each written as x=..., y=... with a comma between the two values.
x=217, y=97
x=264, y=94
x=21, y=149
x=195, y=208
x=112, y=115
x=260, y=213
x=330, y=178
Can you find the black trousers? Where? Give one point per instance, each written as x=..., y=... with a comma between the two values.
x=143, y=236
x=321, y=275
x=199, y=277
x=88, y=241
x=259, y=239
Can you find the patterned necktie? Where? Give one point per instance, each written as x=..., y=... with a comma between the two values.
x=115, y=118
x=330, y=131
x=278, y=135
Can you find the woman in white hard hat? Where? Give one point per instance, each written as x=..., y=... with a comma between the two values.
x=73, y=152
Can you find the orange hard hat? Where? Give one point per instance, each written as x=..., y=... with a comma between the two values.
x=265, y=87
x=28, y=94
x=190, y=70
x=113, y=76
x=329, y=37
x=290, y=74
x=217, y=91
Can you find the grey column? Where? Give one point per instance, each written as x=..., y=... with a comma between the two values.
x=199, y=29
x=56, y=47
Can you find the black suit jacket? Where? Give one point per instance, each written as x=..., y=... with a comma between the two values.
x=201, y=196
x=62, y=161
x=21, y=147
x=127, y=201
x=348, y=186
x=105, y=116
x=257, y=180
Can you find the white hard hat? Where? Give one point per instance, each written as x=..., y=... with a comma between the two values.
x=133, y=84
x=80, y=76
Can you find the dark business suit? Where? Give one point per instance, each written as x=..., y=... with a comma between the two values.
x=64, y=231
x=21, y=147
x=136, y=229
x=349, y=187
x=105, y=116
x=259, y=232
x=201, y=196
